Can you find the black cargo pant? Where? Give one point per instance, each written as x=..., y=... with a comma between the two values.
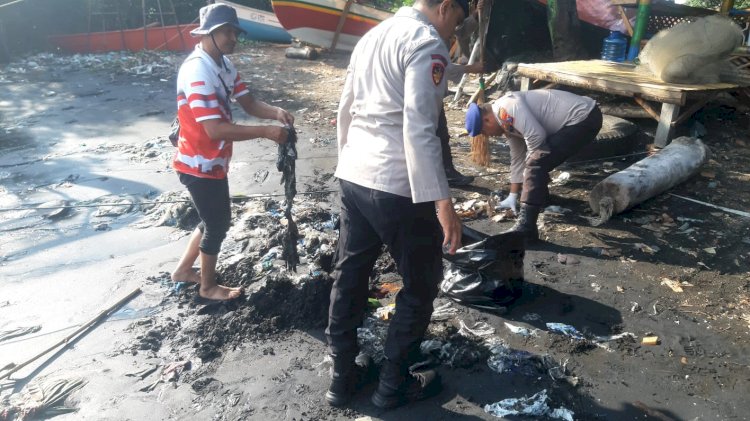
x=445, y=140
x=369, y=219
x=558, y=147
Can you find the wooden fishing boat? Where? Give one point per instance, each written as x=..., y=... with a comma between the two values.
x=260, y=25
x=172, y=38
x=318, y=22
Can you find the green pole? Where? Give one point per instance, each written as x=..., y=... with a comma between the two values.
x=644, y=8
x=551, y=18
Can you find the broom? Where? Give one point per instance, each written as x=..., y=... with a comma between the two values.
x=480, y=145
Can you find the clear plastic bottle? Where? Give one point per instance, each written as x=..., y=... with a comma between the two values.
x=614, y=47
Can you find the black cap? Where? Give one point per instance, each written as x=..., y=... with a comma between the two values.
x=464, y=5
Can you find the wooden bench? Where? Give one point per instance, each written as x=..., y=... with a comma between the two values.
x=623, y=79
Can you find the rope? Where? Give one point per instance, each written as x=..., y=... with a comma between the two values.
x=159, y=202
x=11, y=3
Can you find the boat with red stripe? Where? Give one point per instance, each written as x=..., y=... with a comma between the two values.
x=316, y=21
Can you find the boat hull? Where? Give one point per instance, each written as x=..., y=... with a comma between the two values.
x=171, y=38
x=315, y=21
x=260, y=25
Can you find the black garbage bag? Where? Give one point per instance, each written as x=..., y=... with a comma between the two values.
x=487, y=273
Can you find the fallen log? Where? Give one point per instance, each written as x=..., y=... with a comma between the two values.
x=648, y=177
x=624, y=111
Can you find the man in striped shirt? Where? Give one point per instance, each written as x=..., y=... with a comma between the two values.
x=206, y=82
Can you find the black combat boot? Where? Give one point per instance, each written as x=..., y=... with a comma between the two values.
x=526, y=222
x=396, y=388
x=347, y=376
x=456, y=179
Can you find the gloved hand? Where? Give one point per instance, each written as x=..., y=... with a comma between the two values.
x=510, y=202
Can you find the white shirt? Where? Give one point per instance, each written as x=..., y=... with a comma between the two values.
x=389, y=109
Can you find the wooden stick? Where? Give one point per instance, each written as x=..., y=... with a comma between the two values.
x=101, y=316
x=340, y=25
x=693, y=109
x=646, y=106
x=625, y=20
x=472, y=59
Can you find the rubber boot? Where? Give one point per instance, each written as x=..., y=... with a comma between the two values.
x=526, y=222
x=397, y=388
x=347, y=376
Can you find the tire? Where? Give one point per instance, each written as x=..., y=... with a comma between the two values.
x=616, y=137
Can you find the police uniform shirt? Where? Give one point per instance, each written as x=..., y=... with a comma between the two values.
x=389, y=109
x=539, y=113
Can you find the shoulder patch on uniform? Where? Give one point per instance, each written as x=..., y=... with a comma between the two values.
x=506, y=120
x=440, y=58
x=438, y=71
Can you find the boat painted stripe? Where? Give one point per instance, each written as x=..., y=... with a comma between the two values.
x=327, y=10
x=296, y=18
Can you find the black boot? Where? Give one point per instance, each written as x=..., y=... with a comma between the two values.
x=397, y=388
x=456, y=179
x=526, y=222
x=347, y=376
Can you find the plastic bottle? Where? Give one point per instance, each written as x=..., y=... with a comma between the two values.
x=614, y=47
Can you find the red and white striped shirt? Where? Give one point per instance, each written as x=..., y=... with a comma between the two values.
x=204, y=90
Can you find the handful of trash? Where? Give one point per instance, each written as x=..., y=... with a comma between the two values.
x=286, y=163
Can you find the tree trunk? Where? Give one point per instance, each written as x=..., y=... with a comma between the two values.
x=564, y=29
x=648, y=177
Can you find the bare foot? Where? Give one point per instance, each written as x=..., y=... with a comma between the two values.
x=220, y=292
x=190, y=275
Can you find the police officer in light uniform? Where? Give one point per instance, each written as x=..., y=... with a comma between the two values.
x=394, y=192
x=544, y=128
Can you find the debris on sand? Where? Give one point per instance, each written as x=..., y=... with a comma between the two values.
x=566, y=330
x=152, y=63
x=170, y=374
x=505, y=359
x=567, y=259
x=536, y=405
x=371, y=337
x=478, y=330
x=44, y=398
x=600, y=341
x=172, y=209
x=56, y=209
x=519, y=330
x=650, y=340
x=443, y=312
x=18, y=331
x=672, y=284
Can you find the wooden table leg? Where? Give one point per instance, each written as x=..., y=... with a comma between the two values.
x=669, y=113
x=525, y=83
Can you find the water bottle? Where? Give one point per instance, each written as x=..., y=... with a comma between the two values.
x=614, y=47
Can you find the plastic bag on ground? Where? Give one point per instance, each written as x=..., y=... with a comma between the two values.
x=487, y=273
x=536, y=405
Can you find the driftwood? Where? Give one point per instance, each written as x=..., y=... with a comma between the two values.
x=647, y=178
